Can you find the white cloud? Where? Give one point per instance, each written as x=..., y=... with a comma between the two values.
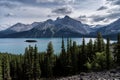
x=107, y=13
x=27, y=11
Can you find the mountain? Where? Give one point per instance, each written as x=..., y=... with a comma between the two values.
x=113, y=28
x=66, y=27
x=110, y=30
x=19, y=27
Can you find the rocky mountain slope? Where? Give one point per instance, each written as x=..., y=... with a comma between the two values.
x=67, y=27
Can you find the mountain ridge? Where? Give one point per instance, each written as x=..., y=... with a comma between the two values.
x=66, y=27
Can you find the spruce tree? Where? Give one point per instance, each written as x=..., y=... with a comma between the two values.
x=74, y=58
x=117, y=50
x=83, y=56
x=28, y=63
x=100, y=43
x=1, y=74
x=6, y=67
x=36, y=69
x=63, y=58
x=90, y=50
x=108, y=54
x=49, y=60
x=68, y=57
x=63, y=52
x=95, y=49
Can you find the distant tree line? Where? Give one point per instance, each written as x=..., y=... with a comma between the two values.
x=33, y=65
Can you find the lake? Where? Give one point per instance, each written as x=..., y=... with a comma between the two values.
x=18, y=45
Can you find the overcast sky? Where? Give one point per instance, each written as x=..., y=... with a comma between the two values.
x=93, y=12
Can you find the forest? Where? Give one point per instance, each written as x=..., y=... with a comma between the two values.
x=72, y=60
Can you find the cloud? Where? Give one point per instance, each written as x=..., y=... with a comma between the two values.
x=114, y=15
x=97, y=18
x=63, y=10
x=114, y=2
x=9, y=15
x=102, y=8
x=83, y=18
x=9, y=4
x=55, y=1
x=117, y=2
x=43, y=2
x=105, y=14
x=39, y=10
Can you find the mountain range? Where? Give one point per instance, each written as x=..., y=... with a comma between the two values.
x=66, y=27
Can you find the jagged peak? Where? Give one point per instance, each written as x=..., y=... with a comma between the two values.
x=49, y=20
x=66, y=17
x=58, y=18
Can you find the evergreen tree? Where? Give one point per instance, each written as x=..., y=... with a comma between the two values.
x=1, y=74
x=100, y=43
x=6, y=67
x=68, y=45
x=49, y=60
x=90, y=50
x=74, y=58
x=117, y=50
x=83, y=56
x=108, y=54
x=36, y=69
x=63, y=52
x=95, y=47
x=63, y=58
x=13, y=69
x=28, y=63
x=68, y=57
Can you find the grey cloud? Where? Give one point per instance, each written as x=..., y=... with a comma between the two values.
x=64, y=10
x=9, y=15
x=114, y=15
x=105, y=18
x=114, y=2
x=83, y=18
x=102, y=8
x=8, y=4
x=97, y=18
x=43, y=2
x=117, y=2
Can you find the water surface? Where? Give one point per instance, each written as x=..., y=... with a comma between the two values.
x=18, y=45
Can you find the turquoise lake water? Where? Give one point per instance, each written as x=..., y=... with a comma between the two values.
x=18, y=45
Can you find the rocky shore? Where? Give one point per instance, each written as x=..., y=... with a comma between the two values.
x=104, y=75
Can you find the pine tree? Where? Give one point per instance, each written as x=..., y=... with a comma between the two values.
x=83, y=46
x=28, y=63
x=108, y=54
x=74, y=58
x=13, y=69
x=83, y=56
x=49, y=60
x=1, y=74
x=68, y=57
x=36, y=69
x=6, y=67
x=68, y=45
x=63, y=52
x=63, y=58
x=95, y=47
x=117, y=50
x=90, y=50
x=99, y=43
